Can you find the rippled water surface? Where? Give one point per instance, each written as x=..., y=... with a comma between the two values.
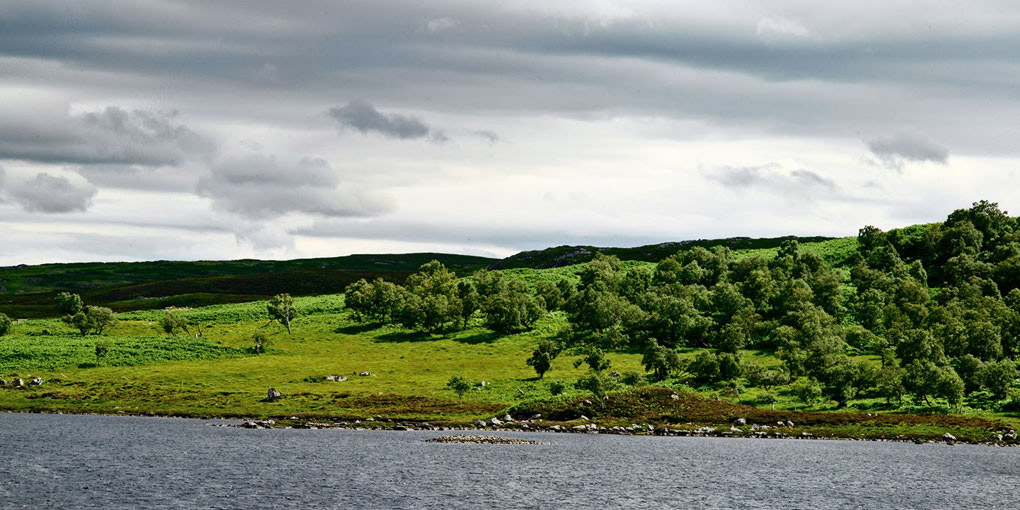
x=63, y=461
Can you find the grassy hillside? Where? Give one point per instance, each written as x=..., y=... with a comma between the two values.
x=28, y=291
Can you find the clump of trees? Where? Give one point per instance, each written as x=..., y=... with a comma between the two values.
x=86, y=319
x=435, y=300
x=938, y=304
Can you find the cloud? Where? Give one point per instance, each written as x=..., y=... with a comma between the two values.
x=46, y=193
x=440, y=24
x=895, y=150
x=491, y=136
x=773, y=29
x=771, y=177
x=258, y=186
x=264, y=237
x=362, y=116
x=112, y=136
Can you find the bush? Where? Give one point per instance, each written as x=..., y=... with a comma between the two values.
x=633, y=378
x=5, y=324
x=557, y=387
x=807, y=390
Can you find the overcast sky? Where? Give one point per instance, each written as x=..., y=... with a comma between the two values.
x=218, y=130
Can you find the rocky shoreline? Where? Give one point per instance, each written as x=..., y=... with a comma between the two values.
x=739, y=429
x=465, y=439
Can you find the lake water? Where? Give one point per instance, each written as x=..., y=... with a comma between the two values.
x=64, y=461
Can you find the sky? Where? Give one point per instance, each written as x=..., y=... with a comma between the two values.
x=154, y=130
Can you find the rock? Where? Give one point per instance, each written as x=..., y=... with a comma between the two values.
x=674, y=396
x=3, y=382
x=482, y=384
x=482, y=440
x=789, y=423
x=740, y=422
x=336, y=378
x=949, y=438
x=508, y=418
x=479, y=423
x=780, y=423
x=614, y=374
x=272, y=395
x=555, y=427
x=18, y=383
x=586, y=403
x=495, y=422
x=536, y=416
x=1011, y=435
x=583, y=418
x=36, y=381
x=366, y=374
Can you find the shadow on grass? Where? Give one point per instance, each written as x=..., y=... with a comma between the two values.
x=484, y=337
x=406, y=336
x=356, y=329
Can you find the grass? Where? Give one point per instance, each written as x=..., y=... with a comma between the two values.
x=146, y=372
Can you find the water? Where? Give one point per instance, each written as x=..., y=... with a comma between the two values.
x=63, y=461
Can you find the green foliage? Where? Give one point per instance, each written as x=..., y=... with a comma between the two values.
x=761, y=377
x=557, y=387
x=633, y=378
x=459, y=385
x=5, y=324
x=998, y=378
x=281, y=309
x=541, y=359
x=101, y=349
x=598, y=383
x=260, y=343
x=68, y=304
x=807, y=390
x=596, y=360
x=172, y=322
x=510, y=307
x=661, y=361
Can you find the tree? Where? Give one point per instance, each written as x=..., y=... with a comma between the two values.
x=431, y=300
x=5, y=324
x=511, y=308
x=100, y=318
x=260, y=343
x=101, y=349
x=541, y=359
x=358, y=298
x=998, y=377
x=68, y=304
x=171, y=322
x=459, y=385
x=470, y=301
x=660, y=360
x=595, y=359
x=281, y=309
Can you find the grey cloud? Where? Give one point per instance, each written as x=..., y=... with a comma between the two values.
x=771, y=177
x=262, y=237
x=112, y=136
x=362, y=116
x=491, y=136
x=893, y=151
x=257, y=186
x=53, y=194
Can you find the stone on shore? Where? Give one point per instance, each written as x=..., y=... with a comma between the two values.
x=482, y=440
x=272, y=395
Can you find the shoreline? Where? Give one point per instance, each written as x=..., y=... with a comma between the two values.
x=531, y=426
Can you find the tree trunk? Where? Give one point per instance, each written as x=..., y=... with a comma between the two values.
x=288, y=326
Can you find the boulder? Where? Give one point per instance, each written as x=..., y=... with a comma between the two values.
x=614, y=374
x=949, y=438
x=482, y=384
x=740, y=422
x=272, y=395
x=583, y=418
x=1011, y=435
x=366, y=374
x=3, y=382
x=479, y=423
x=536, y=416
x=789, y=423
x=507, y=417
x=36, y=381
x=18, y=383
x=495, y=422
x=674, y=396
